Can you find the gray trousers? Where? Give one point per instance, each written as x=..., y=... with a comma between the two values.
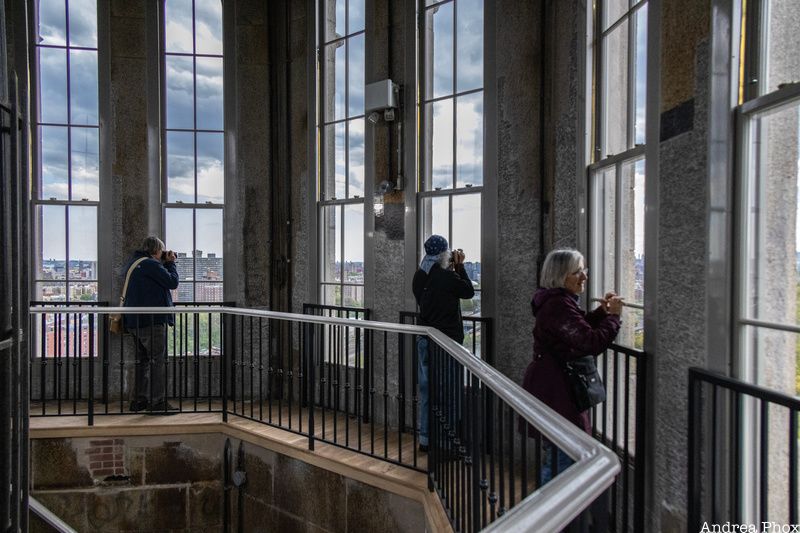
x=151, y=354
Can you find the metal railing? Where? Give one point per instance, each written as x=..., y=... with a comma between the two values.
x=619, y=423
x=478, y=457
x=742, y=450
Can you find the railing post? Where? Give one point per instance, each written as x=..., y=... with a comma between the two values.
x=91, y=369
x=639, y=461
x=693, y=453
x=223, y=366
x=310, y=386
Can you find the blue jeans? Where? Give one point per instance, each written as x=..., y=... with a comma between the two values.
x=562, y=462
x=424, y=390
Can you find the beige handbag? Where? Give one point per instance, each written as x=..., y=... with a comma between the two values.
x=115, y=320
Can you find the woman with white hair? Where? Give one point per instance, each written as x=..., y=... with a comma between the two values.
x=566, y=337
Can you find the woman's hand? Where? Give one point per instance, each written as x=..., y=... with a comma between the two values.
x=605, y=299
x=614, y=305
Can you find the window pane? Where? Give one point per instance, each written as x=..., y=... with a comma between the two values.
x=469, y=120
x=179, y=237
x=612, y=11
x=354, y=243
x=335, y=81
x=208, y=26
x=602, y=267
x=467, y=226
x=470, y=44
x=83, y=87
x=52, y=22
x=773, y=232
x=356, y=157
x=208, y=292
x=770, y=358
x=631, y=332
x=439, y=128
x=353, y=297
x=83, y=23
x=335, y=162
x=615, y=97
x=332, y=294
x=210, y=168
x=51, y=292
x=641, y=73
x=85, y=163
x=355, y=16
x=436, y=217
x=355, y=73
x=784, y=42
x=82, y=242
x=632, y=275
x=180, y=92
x=53, y=238
x=439, y=53
x=209, y=93
x=53, y=85
x=208, y=256
x=180, y=166
x=335, y=19
x=178, y=25
x=331, y=243
x=54, y=157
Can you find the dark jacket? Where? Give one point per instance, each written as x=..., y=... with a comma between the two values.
x=565, y=331
x=441, y=306
x=150, y=285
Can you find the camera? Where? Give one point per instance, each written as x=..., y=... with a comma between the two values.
x=165, y=254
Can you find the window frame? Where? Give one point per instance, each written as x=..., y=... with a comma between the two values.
x=166, y=205
x=37, y=202
x=324, y=202
x=426, y=191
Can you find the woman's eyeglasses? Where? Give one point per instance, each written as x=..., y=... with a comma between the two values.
x=584, y=271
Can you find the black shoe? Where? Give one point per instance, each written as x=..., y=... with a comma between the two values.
x=163, y=408
x=138, y=405
x=423, y=448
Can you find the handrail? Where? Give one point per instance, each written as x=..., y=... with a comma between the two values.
x=550, y=508
x=742, y=387
x=48, y=516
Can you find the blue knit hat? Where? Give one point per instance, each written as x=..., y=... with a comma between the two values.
x=435, y=245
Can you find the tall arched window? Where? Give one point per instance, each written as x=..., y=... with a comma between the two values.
x=66, y=189
x=451, y=115
x=193, y=156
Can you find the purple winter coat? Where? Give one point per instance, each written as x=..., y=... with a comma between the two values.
x=564, y=330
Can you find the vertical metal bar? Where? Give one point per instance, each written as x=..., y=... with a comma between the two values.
x=67, y=361
x=639, y=488
x=196, y=366
x=714, y=451
x=279, y=357
x=261, y=369
x=226, y=486
x=336, y=376
x=287, y=340
x=481, y=455
x=474, y=456
x=511, y=482
x=208, y=360
x=358, y=371
x=57, y=373
x=372, y=404
x=43, y=365
x=625, y=436
x=764, y=463
x=491, y=434
x=270, y=369
x=500, y=409
x=792, y=466
x=122, y=372
x=385, y=395
x=241, y=361
x=252, y=367
x=91, y=370
x=225, y=320
x=414, y=397
x=310, y=388
x=693, y=453
x=347, y=385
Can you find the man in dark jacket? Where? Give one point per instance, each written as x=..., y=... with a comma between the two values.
x=151, y=280
x=439, y=285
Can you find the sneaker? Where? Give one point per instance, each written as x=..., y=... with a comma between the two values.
x=163, y=408
x=138, y=405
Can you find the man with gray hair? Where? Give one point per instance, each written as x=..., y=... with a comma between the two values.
x=152, y=275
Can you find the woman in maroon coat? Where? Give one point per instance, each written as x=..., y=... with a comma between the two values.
x=564, y=332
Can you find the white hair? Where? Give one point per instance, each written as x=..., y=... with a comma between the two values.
x=444, y=259
x=557, y=266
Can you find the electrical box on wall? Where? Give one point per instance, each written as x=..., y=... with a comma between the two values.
x=380, y=95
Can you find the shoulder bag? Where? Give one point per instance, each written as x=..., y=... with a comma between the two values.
x=115, y=321
x=587, y=388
